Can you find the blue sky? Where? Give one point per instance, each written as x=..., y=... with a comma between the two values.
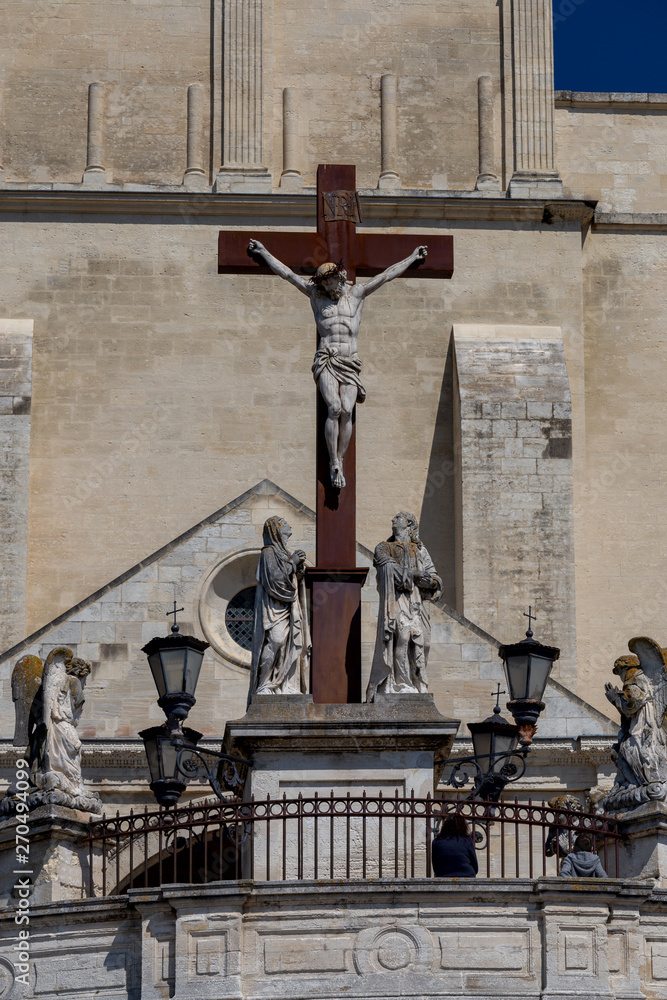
x=611, y=45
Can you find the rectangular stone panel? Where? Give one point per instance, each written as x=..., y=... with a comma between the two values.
x=657, y=950
x=485, y=950
x=305, y=953
x=576, y=952
x=81, y=972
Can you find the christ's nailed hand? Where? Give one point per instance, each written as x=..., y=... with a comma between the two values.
x=255, y=248
x=421, y=253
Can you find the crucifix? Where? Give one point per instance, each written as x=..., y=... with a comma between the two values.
x=335, y=255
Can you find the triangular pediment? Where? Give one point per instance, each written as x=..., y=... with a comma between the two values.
x=207, y=567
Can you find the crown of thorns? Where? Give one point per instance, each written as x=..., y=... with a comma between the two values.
x=334, y=271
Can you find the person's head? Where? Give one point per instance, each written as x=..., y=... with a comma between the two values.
x=453, y=825
x=583, y=843
x=405, y=525
x=330, y=280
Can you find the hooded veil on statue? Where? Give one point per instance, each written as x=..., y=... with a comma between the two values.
x=281, y=633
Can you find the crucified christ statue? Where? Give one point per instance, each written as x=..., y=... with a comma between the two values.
x=337, y=305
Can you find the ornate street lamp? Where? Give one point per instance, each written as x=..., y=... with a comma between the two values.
x=173, y=758
x=527, y=667
x=175, y=661
x=496, y=758
x=164, y=755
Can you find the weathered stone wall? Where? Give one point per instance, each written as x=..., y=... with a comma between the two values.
x=437, y=938
x=611, y=148
x=146, y=55
x=15, y=405
x=622, y=514
x=163, y=390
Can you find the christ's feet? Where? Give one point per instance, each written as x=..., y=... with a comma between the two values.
x=337, y=477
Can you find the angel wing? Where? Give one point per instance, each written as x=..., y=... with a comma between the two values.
x=654, y=664
x=26, y=681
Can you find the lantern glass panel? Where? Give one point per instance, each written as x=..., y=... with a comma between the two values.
x=539, y=674
x=155, y=663
x=481, y=743
x=153, y=756
x=517, y=675
x=503, y=744
x=173, y=664
x=192, y=672
x=169, y=760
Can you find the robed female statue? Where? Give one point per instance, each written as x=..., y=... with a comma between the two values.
x=281, y=634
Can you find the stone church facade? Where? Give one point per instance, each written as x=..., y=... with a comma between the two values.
x=154, y=412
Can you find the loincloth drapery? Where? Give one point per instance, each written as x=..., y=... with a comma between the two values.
x=345, y=370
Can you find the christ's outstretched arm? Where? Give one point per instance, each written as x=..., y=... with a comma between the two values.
x=257, y=249
x=395, y=271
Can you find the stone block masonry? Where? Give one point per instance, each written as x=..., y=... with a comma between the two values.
x=15, y=399
x=515, y=524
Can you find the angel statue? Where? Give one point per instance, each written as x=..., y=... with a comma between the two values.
x=640, y=754
x=281, y=634
x=54, y=753
x=406, y=580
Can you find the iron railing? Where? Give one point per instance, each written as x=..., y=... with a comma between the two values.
x=331, y=837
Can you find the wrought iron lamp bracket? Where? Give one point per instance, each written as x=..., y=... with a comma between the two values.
x=222, y=776
x=491, y=781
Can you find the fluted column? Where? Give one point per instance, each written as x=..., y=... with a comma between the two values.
x=487, y=179
x=243, y=167
x=291, y=179
x=535, y=173
x=95, y=172
x=389, y=144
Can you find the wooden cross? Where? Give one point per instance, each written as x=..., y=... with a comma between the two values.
x=336, y=580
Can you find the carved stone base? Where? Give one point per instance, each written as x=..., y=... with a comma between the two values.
x=243, y=181
x=643, y=854
x=526, y=184
x=58, y=863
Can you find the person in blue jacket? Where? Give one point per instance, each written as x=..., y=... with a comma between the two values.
x=453, y=851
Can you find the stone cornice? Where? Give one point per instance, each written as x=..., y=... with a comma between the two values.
x=379, y=209
x=628, y=221
x=113, y=754
x=610, y=101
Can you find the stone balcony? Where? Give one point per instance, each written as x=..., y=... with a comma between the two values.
x=544, y=938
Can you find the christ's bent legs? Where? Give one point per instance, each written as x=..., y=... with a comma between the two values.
x=331, y=394
x=348, y=397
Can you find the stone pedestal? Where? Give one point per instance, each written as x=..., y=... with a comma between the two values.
x=643, y=854
x=58, y=865
x=394, y=747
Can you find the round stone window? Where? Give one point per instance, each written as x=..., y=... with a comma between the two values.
x=239, y=617
x=226, y=606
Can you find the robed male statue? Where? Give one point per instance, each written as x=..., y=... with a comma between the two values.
x=406, y=580
x=337, y=305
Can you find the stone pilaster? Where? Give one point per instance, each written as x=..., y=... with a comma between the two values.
x=15, y=399
x=195, y=177
x=535, y=174
x=487, y=179
x=514, y=503
x=291, y=178
x=95, y=172
x=243, y=163
x=389, y=177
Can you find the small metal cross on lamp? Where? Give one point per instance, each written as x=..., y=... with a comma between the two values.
x=527, y=667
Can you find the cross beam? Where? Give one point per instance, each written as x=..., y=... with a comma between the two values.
x=336, y=580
